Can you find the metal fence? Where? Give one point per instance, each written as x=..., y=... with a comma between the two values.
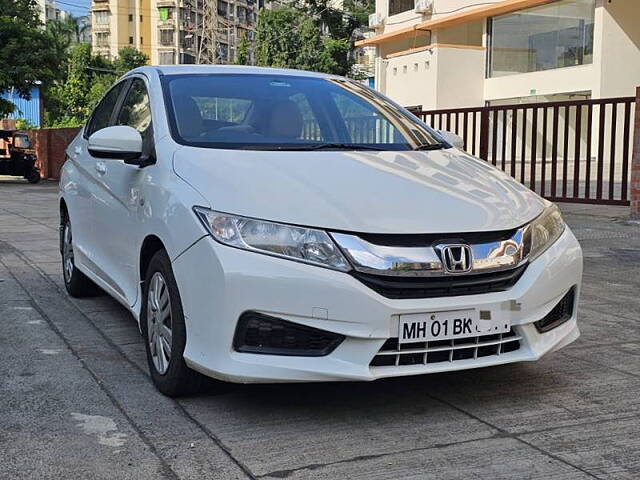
x=575, y=151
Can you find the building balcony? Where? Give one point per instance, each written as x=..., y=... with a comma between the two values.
x=168, y=24
x=167, y=3
x=100, y=7
x=100, y=27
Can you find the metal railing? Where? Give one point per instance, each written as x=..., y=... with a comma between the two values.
x=574, y=151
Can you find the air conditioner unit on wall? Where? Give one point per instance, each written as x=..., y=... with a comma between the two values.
x=423, y=6
x=376, y=20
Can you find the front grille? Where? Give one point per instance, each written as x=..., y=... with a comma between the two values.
x=426, y=353
x=447, y=286
x=258, y=333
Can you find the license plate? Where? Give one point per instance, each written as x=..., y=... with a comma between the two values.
x=425, y=327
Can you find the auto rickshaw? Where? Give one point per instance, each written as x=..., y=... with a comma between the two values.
x=17, y=157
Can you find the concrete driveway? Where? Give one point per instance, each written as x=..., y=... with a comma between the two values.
x=76, y=401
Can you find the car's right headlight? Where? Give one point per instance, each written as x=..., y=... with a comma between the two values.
x=544, y=231
x=302, y=244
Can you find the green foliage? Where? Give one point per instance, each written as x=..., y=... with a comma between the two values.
x=287, y=38
x=242, y=55
x=70, y=101
x=128, y=59
x=24, y=124
x=26, y=54
x=292, y=37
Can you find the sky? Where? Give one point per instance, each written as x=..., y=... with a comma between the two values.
x=75, y=7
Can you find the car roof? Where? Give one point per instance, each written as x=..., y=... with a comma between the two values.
x=235, y=69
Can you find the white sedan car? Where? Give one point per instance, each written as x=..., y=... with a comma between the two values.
x=271, y=225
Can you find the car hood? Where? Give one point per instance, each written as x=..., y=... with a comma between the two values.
x=442, y=191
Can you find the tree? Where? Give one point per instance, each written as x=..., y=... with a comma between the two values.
x=293, y=37
x=129, y=58
x=70, y=101
x=288, y=38
x=242, y=55
x=26, y=54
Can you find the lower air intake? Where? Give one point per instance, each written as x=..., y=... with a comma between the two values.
x=425, y=353
x=562, y=312
x=258, y=333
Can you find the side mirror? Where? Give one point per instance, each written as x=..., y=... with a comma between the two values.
x=118, y=143
x=452, y=139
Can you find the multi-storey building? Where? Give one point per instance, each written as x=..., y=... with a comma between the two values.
x=170, y=31
x=455, y=53
x=49, y=10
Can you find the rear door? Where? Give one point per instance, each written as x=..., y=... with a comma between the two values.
x=86, y=176
x=119, y=201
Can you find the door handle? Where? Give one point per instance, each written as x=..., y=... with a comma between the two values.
x=101, y=168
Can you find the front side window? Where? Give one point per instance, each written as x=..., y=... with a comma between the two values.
x=135, y=111
x=101, y=117
x=542, y=38
x=279, y=112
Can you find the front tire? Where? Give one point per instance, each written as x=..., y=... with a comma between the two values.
x=33, y=176
x=164, y=331
x=77, y=283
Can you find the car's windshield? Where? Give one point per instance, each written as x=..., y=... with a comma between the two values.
x=286, y=112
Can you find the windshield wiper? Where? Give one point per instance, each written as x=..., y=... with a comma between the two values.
x=430, y=146
x=329, y=146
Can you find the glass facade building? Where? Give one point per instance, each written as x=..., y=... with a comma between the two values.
x=542, y=38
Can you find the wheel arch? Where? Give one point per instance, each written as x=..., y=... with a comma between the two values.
x=64, y=211
x=150, y=246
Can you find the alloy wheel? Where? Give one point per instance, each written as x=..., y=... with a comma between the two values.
x=159, y=322
x=67, y=253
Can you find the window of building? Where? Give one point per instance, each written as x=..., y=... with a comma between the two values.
x=131, y=17
x=223, y=8
x=399, y=6
x=186, y=39
x=141, y=18
x=166, y=37
x=166, y=58
x=543, y=38
x=102, y=39
x=223, y=51
x=130, y=40
x=102, y=17
x=141, y=40
x=242, y=14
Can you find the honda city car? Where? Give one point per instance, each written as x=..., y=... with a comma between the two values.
x=267, y=225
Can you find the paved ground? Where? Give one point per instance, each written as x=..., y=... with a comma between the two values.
x=76, y=401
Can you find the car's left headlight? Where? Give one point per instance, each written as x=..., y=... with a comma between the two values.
x=301, y=244
x=544, y=231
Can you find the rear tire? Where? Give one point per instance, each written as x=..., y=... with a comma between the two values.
x=164, y=331
x=77, y=283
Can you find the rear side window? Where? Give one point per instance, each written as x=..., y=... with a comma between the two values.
x=101, y=117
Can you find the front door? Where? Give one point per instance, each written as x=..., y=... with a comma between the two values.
x=120, y=205
x=82, y=193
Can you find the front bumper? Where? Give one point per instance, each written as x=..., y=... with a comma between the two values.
x=219, y=283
